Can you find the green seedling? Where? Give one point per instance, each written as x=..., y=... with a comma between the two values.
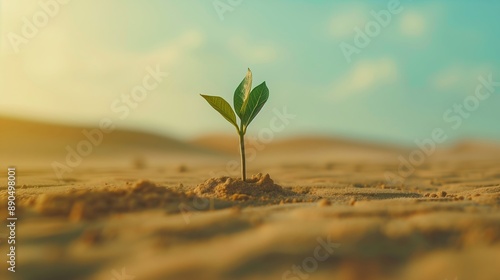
x=247, y=104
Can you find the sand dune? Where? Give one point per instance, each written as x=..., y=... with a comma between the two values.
x=51, y=139
x=229, y=144
x=31, y=142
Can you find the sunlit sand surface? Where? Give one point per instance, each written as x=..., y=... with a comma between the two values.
x=136, y=205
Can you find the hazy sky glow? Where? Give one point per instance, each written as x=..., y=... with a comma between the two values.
x=396, y=89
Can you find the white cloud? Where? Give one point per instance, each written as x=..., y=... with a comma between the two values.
x=365, y=76
x=178, y=48
x=254, y=52
x=448, y=78
x=413, y=24
x=458, y=77
x=343, y=23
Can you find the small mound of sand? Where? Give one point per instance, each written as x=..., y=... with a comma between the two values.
x=259, y=186
x=88, y=204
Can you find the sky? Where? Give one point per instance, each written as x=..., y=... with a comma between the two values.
x=386, y=71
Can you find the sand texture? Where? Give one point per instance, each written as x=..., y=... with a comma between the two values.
x=313, y=208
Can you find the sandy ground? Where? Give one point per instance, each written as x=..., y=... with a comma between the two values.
x=136, y=215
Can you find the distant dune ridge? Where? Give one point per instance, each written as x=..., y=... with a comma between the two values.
x=23, y=139
x=226, y=143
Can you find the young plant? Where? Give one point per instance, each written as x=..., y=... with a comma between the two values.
x=247, y=104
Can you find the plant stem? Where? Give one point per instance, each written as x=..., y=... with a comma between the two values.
x=243, y=160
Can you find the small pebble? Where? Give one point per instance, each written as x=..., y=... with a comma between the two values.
x=77, y=212
x=182, y=168
x=352, y=201
x=324, y=202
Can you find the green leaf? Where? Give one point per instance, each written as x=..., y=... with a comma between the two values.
x=256, y=100
x=241, y=94
x=221, y=105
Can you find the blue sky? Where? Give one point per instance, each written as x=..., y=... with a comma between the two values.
x=427, y=58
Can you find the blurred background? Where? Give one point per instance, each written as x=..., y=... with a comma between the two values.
x=408, y=64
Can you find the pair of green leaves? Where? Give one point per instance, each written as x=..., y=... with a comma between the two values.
x=247, y=103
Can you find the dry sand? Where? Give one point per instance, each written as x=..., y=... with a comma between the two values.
x=325, y=212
